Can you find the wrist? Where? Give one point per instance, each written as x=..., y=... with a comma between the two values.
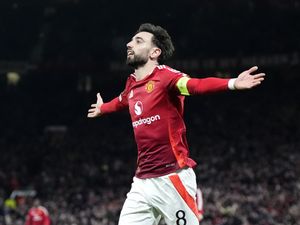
x=231, y=84
x=99, y=109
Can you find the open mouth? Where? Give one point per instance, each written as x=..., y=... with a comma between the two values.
x=130, y=52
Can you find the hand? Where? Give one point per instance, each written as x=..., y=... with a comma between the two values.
x=95, y=110
x=246, y=80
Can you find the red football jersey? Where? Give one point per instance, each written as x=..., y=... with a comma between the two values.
x=156, y=110
x=37, y=216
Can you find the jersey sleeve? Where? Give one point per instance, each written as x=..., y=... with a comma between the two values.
x=118, y=103
x=28, y=219
x=185, y=85
x=46, y=217
x=196, y=86
x=171, y=77
x=47, y=220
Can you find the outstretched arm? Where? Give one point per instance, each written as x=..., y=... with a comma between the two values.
x=194, y=86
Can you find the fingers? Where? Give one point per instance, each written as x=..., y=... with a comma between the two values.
x=252, y=69
x=92, y=110
x=99, y=99
x=256, y=83
x=259, y=75
x=91, y=115
x=258, y=78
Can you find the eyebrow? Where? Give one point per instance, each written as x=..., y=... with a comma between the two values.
x=139, y=38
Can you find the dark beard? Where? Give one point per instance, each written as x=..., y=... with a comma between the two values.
x=136, y=61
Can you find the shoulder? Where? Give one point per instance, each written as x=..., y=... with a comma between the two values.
x=167, y=69
x=168, y=74
x=130, y=80
x=44, y=210
x=31, y=211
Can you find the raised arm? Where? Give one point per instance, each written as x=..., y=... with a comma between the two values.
x=194, y=86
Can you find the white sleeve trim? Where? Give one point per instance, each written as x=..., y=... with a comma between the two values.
x=231, y=84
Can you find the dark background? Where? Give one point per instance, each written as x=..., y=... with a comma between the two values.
x=65, y=51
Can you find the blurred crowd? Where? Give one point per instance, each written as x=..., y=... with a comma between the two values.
x=246, y=146
x=82, y=34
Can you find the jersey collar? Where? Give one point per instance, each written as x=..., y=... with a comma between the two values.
x=146, y=77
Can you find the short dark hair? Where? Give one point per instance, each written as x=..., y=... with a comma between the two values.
x=161, y=39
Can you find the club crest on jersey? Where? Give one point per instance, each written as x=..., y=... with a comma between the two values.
x=149, y=86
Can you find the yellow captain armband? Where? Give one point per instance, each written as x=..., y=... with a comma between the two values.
x=181, y=85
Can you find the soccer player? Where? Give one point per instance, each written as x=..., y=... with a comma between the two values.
x=164, y=184
x=37, y=215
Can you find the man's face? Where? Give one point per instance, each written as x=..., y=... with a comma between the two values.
x=139, y=49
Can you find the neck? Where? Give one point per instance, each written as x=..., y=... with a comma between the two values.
x=145, y=70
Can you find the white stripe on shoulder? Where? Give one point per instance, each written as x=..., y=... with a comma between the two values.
x=172, y=70
x=161, y=67
x=43, y=209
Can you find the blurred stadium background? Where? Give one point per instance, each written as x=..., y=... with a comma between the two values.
x=55, y=55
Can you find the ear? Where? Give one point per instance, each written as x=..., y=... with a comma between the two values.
x=155, y=53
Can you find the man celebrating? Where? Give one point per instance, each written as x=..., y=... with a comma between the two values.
x=37, y=215
x=164, y=184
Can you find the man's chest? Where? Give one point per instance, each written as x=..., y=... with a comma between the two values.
x=145, y=97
